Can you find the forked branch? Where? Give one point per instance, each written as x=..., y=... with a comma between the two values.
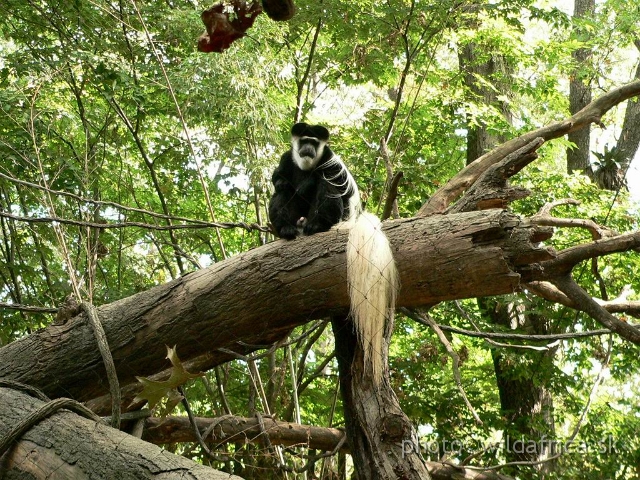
x=592, y=113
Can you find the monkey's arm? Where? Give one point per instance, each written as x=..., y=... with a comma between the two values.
x=284, y=207
x=326, y=209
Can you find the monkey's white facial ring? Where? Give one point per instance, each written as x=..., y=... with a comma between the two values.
x=307, y=152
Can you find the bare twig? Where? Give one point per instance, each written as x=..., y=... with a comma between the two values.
x=103, y=203
x=196, y=430
x=147, y=226
x=425, y=318
x=544, y=217
x=305, y=76
x=28, y=308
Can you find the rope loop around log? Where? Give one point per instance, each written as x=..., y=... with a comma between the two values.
x=45, y=411
x=101, y=338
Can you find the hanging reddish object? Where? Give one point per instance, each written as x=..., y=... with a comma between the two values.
x=229, y=21
x=223, y=31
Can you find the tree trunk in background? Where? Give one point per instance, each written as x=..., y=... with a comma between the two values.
x=525, y=401
x=612, y=175
x=630, y=136
x=383, y=442
x=480, y=139
x=580, y=95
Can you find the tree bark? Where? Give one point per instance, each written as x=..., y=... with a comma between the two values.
x=383, y=442
x=254, y=299
x=66, y=446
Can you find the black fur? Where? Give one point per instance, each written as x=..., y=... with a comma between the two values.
x=313, y=200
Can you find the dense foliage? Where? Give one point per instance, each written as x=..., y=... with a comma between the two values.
x=120, y=143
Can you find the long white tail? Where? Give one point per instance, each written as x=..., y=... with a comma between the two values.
x=373, y=286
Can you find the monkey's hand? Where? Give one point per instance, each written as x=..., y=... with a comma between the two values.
x=300, y=224
x=315, y=227
x=288, y=232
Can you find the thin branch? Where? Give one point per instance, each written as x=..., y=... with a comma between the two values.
x=568, y=258
x=27, y=308
x=426, y=319
x=196, y=430
x=524, y=336
x=544, y=217
x=585, y=303
x=101, y=203
x=197, y=226
x=549, y=292
x=305, y=76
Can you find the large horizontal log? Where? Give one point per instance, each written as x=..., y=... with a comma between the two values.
x=254, y=299
x=66, y=446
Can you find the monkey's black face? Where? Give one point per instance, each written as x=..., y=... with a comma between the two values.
x=308, y=147
x=307, y=144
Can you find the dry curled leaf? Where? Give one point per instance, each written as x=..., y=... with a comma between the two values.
x=153, y=391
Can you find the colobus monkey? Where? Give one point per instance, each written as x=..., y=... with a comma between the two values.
x=313, y=188
x=314, y=191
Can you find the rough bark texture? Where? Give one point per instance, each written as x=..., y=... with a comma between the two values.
x=67, y=446
x=611, y=174
x=239, y=304
x=629, y=141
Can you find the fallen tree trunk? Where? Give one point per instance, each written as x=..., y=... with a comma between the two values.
x=231, y=429
x=66, y=445
x=240, y=429
x=254, y=299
